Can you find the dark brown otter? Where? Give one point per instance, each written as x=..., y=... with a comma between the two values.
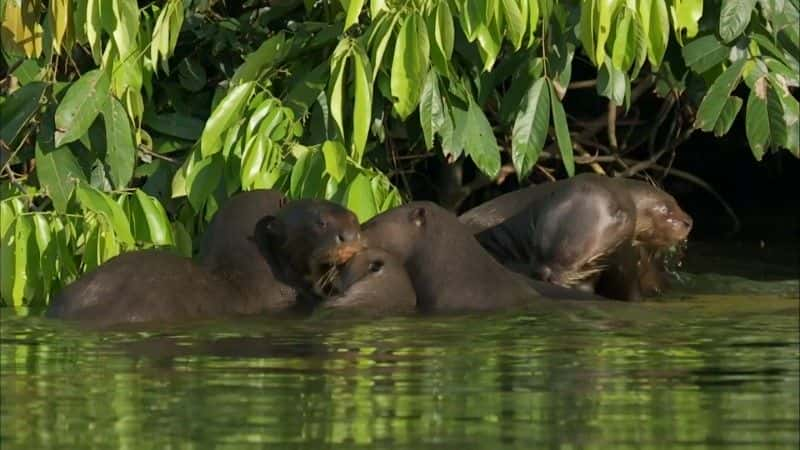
x=660, y=225
x=448, y=268
x=576, y=237
x=565, y=233
x=144, y=286
x=269, y=268
x=373, y=282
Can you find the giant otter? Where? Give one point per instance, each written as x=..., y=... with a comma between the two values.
x=373, y=282
x=565, y=233
x=448, y=268
x=278, y=258
x=577, y=232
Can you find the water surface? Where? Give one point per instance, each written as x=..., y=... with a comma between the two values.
x=698, y=371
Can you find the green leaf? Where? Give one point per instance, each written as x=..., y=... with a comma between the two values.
x=340, y=57
x=120, y=153
x=175, y=124
x=362, y=107
x=727, y=116
x=268, y=55
x=624, y=48
x=156, y=217
x=7, y=250
x=253, y=159
x=183, y=240
x=734, y=17
x=409, y=65
x=606, y=10
x=93, y=200
x=686, y=16
x=126, y=13
x=655, y=19
x=17, y=110
x=307, y=180
x=515, y=23
x=57, y=168
x=306, y=89
x=704, y=53
x=192, y=75
x=224, y=116
x=383, y=31
x=757, y=121
x=717, y=96
x=81, y=105
x=23, y=228
x=479, y=141
x=353, y=8
x=562, y=132
x=443, y=38
x=202, y=178
x=335, y=159
x=612, y=83
x=530, y=128
x=360, y=199
x=431, y=111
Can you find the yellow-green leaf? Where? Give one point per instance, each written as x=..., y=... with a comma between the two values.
x=409, y=65
x=81, y=104
x=224, y=116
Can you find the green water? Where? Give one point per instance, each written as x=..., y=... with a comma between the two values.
x=697, y=371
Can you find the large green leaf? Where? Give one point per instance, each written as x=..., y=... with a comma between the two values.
x=353, y=8
x=431, y=111
x=304, y=92
x=7, y=244
x=18, y=108
x=335, y=159
x=530, y=128
x=23, y=244
x=270, y=53
x=624, y=45
x=612, y=83
x=57, y=168
x=727, y=116
x=686, y=16
x=409, y=65
x=126, y=13
x=224, y=116
x=98, y=202
x=443, y=38
x=515, y=22
x=81, y=104
x=717, y=96
x=175, y=124
x=362, y=105
x=203, y=175
x=734, y=17
x=562, y=132
x=704, y=53
x=156, y=217
x=120, y=152
x=360, y=199
x=757, y=121
x=307, y=179
x=655, y=19
x=479, y=141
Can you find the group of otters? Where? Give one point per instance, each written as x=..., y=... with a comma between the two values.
x=587, y=237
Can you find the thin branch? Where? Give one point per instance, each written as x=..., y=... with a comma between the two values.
x=612, y=126
x=583, y=84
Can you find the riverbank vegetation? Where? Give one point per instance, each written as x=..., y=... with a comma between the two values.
x=126, y=124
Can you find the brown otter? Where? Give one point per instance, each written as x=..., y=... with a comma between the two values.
x=578, y=238
x=565, y=233
x=273, y=270
x=373, y=282
x=448, y=268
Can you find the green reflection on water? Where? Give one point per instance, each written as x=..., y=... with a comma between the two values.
x=703, y=372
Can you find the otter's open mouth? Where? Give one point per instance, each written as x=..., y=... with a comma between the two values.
x=327, y=265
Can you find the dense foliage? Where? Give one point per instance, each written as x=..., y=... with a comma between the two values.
x=125, y=125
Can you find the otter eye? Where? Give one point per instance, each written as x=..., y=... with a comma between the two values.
x=375, y=266
x=661, y=209
x=322, y=224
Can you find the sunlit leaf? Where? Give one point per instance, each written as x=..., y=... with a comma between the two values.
x=409, y=65
x=562, y=132
x=81, y=104
x=360, y=199
x=157, y=222
x=224, y=116
x=335, y=159
x=530, y=128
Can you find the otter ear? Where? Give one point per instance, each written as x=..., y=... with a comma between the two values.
x=417, y=216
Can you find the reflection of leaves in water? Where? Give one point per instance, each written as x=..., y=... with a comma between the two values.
x=709, y=283
x=581, y=375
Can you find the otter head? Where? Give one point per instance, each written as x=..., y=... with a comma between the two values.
x=660, y=222
x=398, y=230
x=310, y=237
x=574, y=234
x=373, y=280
